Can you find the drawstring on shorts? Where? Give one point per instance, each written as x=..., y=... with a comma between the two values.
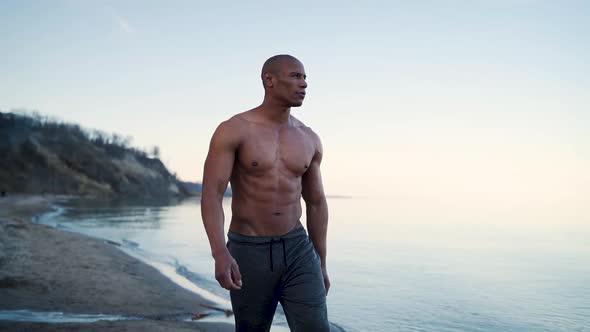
x=272, y=241
x=296, y=233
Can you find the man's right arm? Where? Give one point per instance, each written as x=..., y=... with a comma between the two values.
x=217, y=172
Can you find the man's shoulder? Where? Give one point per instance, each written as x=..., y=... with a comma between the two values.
x=235, y=123
x=232, y=130
x=303, y=127
x=298, y=123
x=239, y=120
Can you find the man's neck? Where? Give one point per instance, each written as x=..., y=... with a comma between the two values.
x=279, y=115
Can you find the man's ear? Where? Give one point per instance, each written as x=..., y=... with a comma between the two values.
x=268, y=80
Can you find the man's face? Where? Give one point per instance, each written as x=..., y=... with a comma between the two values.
x=290, y=83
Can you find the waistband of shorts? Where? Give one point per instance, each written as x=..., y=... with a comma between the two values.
x=297, y=232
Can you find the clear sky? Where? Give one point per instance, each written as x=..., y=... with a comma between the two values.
x=481, y=104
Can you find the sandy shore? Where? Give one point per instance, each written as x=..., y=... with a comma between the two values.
x=45, y=269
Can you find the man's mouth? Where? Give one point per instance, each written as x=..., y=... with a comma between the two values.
x=301, y=94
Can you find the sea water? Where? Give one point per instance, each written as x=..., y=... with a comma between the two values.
x=392, y=269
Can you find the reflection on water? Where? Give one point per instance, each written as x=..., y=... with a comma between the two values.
x=393, y=268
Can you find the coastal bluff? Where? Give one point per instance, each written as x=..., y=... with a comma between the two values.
x=45, y=156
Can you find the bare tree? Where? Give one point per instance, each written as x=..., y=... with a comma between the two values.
x=156, y=151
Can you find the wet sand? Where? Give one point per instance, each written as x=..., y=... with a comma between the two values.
x=46, y=269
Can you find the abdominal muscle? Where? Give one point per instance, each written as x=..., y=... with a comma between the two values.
x=268, y=217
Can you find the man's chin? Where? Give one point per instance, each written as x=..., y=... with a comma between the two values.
x=297, y=104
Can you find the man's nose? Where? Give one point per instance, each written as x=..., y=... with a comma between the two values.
x=303, y=83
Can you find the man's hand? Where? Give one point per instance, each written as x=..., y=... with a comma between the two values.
x=326, y=280
x=227, y=272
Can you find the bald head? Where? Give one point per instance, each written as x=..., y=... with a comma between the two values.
x=274, y=65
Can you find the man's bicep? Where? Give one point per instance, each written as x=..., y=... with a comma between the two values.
x=220, y=160
x=217, y=171
x=312, y=186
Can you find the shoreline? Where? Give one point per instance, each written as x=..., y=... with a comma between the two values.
x=44, y=269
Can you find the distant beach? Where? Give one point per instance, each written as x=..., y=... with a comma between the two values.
x=46, y=270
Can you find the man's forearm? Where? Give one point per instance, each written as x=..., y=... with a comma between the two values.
x=213, y=220
x=317, y=226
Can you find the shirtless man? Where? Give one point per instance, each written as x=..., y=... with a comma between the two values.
x=272, y=160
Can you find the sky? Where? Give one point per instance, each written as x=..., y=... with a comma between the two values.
x=457, y=105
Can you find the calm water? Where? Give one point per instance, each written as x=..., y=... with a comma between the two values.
x=392, y=270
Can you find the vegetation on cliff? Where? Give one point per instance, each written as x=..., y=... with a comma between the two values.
x=41, y=155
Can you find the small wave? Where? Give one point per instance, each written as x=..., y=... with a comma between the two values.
x=172, y=274
x=49, y=218
x=57, y=317
x=129, y=243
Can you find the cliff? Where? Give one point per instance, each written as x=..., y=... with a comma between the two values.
x=41, y=156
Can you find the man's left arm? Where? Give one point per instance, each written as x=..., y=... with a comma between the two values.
x=317, y=208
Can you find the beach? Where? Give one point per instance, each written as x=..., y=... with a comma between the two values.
x=441, y=275
x=43, y=269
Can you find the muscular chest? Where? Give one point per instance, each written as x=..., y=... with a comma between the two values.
x=286, y=150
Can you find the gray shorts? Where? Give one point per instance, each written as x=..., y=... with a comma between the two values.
x=283, y=269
